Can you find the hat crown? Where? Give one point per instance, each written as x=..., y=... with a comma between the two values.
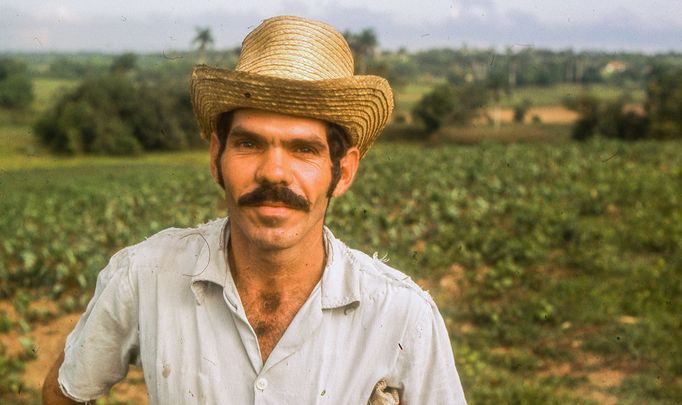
x=296, y=48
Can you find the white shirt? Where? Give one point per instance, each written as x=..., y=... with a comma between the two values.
x=170, y=304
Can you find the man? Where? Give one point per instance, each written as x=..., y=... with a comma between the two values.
x=268, y=307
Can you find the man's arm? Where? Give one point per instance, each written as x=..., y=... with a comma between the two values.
x=52, y=393
x=99, y=349
x=430, y=374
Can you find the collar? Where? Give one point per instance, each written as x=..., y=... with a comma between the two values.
x=340, y=283
x=213, y=254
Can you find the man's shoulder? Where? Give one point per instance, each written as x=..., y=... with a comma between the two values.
x=377, y=278
x=179, y=241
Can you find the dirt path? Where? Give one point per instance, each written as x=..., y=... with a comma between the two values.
x=48, y=339
x=547, y=114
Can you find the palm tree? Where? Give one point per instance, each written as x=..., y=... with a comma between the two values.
x=203, y=40
x=364, y=46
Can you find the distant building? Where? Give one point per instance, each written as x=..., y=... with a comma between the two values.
x=614, y=66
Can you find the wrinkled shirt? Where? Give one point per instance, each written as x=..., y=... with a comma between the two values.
x=170, y=304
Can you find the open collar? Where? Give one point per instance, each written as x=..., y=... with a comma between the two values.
x=213, y=254
x=340, y=283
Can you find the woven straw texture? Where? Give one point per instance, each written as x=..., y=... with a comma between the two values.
x=300, y=67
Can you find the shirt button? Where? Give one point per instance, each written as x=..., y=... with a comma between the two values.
x=261, y=384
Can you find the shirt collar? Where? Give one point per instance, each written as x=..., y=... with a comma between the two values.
x=213, y=254
x=340, y=283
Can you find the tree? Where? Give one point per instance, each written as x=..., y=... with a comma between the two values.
x=203, y=40
x=434, y=108
x=363, y=45
x=497, y=84
x=521, y=109
x=16, y=88
x=664, y=102
x=124, y=63
x=611, y=119
x=113, y=114
x=448, y=104
x=587, y=106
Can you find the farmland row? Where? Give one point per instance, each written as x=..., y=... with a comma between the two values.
x=539, y=255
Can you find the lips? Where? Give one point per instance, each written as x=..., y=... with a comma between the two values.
x=272, y=214
x=274, y=204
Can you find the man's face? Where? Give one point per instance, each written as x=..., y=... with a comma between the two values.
x=276, y=173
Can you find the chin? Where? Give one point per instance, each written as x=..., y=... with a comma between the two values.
x=274, y=239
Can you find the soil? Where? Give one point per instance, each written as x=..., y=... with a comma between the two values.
x=48, y=339
x=547, y=115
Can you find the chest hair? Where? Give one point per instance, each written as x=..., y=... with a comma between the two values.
x=270, y=314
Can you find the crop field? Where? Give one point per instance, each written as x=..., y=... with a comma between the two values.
x=557, y=266
x=540, y=96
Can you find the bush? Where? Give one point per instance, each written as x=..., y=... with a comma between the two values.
x=113, y=114
x=449, y=104
x=434, y=108
x=610, y=119
x=664, y=102
x=16, y=89
x=521, y=109
x=617, y=121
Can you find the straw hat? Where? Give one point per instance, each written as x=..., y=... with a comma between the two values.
x=300, y=67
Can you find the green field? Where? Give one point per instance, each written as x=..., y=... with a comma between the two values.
x=557, y=266
x=47, y=90
x=408, y=95
x=555, y=95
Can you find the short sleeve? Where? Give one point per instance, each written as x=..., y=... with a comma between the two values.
x=105, y=340
x=428, y=373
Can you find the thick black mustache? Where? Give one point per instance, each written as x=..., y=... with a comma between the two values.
x=274, y=194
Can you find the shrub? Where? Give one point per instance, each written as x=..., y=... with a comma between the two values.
x=617, y=121
x=433, y=109
x=449, y=104
x=16, y=89
x=521, y=109
x=587, y=107
x=114, y=114
x=664, y=102
x=611, y=119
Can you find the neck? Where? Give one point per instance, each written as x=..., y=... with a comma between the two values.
x=289, y=271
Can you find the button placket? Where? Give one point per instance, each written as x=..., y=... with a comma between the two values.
x=261, y=384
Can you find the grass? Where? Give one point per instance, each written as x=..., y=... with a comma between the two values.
x=540, y=96
x=555, y=264
x=555, y=95
x=408, y=95
x=16, y=142
x=473, y=135
x=47, y=90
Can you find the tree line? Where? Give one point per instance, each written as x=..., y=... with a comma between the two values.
x=131, y=103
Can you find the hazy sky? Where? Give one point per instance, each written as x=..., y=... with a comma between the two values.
x=156, y=25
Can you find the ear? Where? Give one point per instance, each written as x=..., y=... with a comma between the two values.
x=349, y=167
x=214, y=148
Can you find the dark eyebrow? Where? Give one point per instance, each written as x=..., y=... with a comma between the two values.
x=244, y=133
x=240, y=132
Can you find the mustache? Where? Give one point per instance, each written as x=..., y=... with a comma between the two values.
x=272, y=193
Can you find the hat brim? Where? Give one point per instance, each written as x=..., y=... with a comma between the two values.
x=361, y=105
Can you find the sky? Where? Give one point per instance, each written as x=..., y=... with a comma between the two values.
x=165, y=25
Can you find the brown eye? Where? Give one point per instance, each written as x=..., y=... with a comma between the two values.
x=245, y=144
x=306, y=150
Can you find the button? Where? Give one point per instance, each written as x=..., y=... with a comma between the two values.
x=261, y=384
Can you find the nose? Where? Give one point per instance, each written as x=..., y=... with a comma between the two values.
x=274, y=167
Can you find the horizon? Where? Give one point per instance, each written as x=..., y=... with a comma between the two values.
x=498, y=50
x=632, y=26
